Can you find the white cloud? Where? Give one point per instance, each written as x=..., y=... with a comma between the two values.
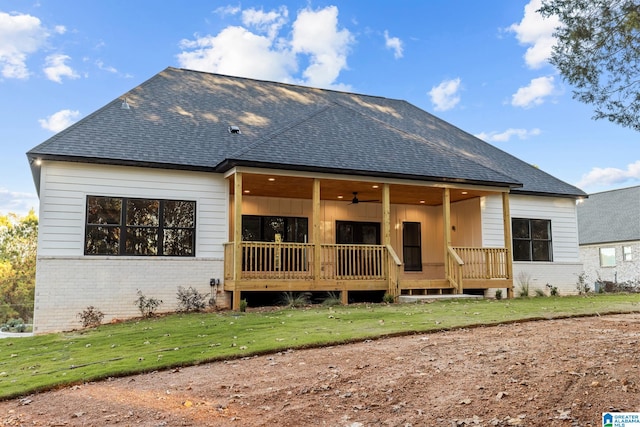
x=266, y=22
x=445, y=96
x=108, y=68
x=610, y=176
x=256, y=50
x=17, y=202
x=56, y=68
x=20, y=36
x=393, y=43
x=60, y=120
x=60, y=29
x=534, y=94
x=227, y=10
x=316, y=33
x=508, y=134
x=537, y=32
x=239, y=52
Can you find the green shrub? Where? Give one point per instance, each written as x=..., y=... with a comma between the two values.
x=243, y=305
x=524, y=281
x=91, y=317
x=190, y=299
x=332, y=299
x=498, y=294
x=582, y=285
x=295, y=299
x=388, y=298
x=147, y=306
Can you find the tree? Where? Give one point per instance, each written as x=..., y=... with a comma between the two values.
x=18, y=243
x=598, y=52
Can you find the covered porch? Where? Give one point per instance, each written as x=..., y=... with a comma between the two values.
x=318, y=258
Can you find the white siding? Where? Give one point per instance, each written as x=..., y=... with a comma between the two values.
x=67, y=281
x=566, y=266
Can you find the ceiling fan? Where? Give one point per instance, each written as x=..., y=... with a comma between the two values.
x=355, y=199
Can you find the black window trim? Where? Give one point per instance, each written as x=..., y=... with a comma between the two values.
x=531, y=240
x=123, y=226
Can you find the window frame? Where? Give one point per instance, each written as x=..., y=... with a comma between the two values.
x=627, y=253
x=601, y=257
x=531, y=240
x=290, y=228
x=406, y=247
x=124, y=228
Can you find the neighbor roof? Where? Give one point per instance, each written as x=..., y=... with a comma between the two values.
x=610, y=216
x=181, y=118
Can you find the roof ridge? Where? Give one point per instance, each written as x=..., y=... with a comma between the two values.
x=285, y=84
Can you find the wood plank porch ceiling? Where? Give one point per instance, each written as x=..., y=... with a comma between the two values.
x=302, y=188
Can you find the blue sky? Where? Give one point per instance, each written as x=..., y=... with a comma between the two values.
x=480, y=65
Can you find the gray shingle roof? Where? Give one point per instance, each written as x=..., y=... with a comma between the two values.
x=610, y=216
x=180, y=119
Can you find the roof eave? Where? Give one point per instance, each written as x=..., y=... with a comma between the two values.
x=32, y=156
x=577, y=196
x=231, y=163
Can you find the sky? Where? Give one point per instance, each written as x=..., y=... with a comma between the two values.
x=480, y=65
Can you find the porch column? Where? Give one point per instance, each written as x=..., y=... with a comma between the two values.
x=316, y=230
x=446, y=223
x=392, y=276
x=386, y=215
x=508, y=242
x=237, y=238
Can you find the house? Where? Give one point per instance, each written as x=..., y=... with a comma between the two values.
x=609, y=230
x=243, y=188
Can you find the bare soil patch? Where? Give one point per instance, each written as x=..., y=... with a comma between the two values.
x=544, y=373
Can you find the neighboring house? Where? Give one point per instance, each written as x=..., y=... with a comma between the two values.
x=609, y=229
x=194, y=178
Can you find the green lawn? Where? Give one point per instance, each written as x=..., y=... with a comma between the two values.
x=46, y=361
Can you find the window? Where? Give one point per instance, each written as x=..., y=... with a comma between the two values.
x=127, y=226
x=626, y=253
x=264, y=228
x=607, y=257
x=531, y=239
x=411, y=246
x=358, y=233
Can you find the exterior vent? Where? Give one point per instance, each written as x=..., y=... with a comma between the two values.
x=234, y=129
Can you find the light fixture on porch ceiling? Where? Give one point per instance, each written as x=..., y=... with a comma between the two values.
x=271, y=179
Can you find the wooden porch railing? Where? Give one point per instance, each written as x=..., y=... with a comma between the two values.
x=454, y=269
x=483, y=263
x=268, y=260
x=353, y=262
x=295, y=261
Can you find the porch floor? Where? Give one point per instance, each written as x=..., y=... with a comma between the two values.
x=417, y=298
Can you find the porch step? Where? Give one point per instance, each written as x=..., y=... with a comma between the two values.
x=417, y=298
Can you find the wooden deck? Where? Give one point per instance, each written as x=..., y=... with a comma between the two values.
x=269, y=266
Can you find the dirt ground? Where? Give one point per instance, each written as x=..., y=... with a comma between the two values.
x=544, y=373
